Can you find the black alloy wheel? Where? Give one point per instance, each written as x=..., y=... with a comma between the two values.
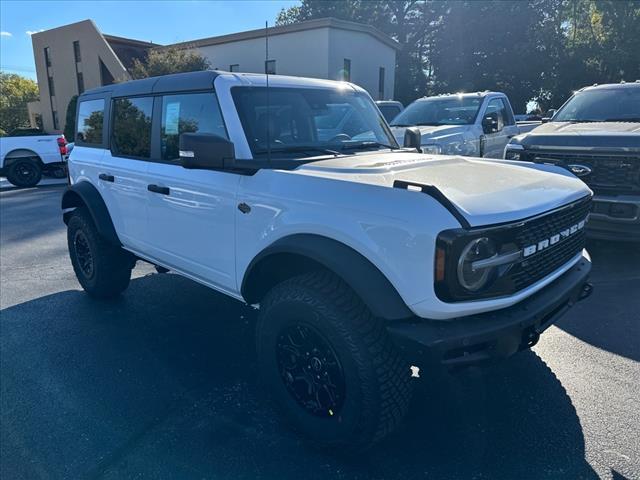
x=83, y=253
x=310, y=370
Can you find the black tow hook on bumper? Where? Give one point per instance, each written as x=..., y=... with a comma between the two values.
x=587, y=290
x=479, y=338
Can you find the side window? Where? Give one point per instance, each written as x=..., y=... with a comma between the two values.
x=497, y=108
x=90, y=121
x=188, y=113
x=508, y=115
x=131, y=131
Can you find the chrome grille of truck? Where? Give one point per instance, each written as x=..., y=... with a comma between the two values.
x=609, y=173
x=545, y=262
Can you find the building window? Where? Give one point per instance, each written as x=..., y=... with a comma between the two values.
x=234, y=68
x=105, y=75
x=56, y=123
x=90, y=121
x=381, y=83
x=131, y=131
x=80, y=79
x=52, y=90
x=76, y=51
x=270, y=67
x=346, y=70
x=190, y=113
x=47, y=56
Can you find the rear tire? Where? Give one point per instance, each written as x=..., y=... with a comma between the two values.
x=103, y=269
x=24, y=172
x=329, y=364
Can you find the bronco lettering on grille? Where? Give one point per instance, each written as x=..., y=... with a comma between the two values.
x=551, y=241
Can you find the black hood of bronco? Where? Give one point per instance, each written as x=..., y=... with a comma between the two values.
x=597, y=135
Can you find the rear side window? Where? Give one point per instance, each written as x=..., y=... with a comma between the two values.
x=90, y=121
x=131, y=131
x=188, y=113
x=389, y=112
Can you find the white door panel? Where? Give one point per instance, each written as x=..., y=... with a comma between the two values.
x=125, y=196
x=192, y=228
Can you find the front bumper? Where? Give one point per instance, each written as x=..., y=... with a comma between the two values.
x=499, y=334
x=615, y=217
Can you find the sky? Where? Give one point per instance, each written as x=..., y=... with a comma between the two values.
x=160, y=22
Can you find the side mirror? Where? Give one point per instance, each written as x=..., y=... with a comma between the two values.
x=205, y=151
x=549, y=115
x=412, y=138
x=490, y=123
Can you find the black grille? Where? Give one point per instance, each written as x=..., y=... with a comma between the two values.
x=609, y=173
x=546, y=261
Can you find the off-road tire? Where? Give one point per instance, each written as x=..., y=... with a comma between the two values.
x=24, y=173
x=108, y=272
x=377, y=379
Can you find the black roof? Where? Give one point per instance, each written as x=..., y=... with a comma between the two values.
x=177, y=82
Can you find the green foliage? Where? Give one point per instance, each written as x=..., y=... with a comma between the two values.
x=132, y=128
x=15, y=93
x=533, y=49
x=70, y=122
x=92, y=129
x=164, y=62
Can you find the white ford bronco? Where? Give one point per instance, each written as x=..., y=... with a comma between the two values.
x=364, y=258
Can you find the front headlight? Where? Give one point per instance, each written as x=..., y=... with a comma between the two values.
x=431, y=149
x=471, y=274
x=513, y=151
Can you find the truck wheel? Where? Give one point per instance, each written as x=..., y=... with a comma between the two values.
x=103, y=269
x=24, y=172
x=329, y=364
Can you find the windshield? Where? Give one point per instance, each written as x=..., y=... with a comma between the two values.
x=439, y=111
x=305, y=121
x=606, y=105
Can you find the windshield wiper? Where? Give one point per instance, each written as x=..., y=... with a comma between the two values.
x=627, y=119
x=354, y=146
x=579, y=120
x=300, y=149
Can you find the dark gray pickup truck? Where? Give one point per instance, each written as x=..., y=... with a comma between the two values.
x=596, y=136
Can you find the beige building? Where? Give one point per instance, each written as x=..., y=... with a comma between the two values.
x=77, y=57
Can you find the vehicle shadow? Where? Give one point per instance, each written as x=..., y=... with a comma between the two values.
x=162, y=383
x=610, y=318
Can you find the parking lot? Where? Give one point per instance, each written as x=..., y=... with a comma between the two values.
x=161, y=383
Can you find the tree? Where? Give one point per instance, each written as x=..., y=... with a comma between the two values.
x=70, y=122
x=532, y=50
x=171, y=60
x=15, y=93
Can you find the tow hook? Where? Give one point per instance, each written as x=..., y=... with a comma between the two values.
x=587, y=290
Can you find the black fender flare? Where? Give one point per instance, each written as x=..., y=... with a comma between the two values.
x=366, y=280
x=85, y=194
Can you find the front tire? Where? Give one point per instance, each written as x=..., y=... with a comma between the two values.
x=25, y=173
x=329, y=364
x=103, y=269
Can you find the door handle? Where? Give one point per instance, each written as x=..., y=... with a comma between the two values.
x=159, y=189
x=106, y=178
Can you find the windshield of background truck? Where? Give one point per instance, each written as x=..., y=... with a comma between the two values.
x=606, y=105
x=440, y=111
x=297, y=118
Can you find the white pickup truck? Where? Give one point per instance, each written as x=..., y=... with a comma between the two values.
x=476, y=124
x=26, y=155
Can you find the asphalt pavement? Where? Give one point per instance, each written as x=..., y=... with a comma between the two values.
x=161, y=383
